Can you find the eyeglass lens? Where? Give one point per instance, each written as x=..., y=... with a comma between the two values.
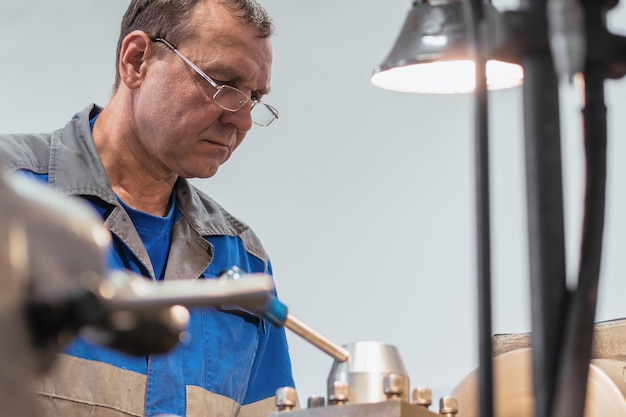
x=233, y=99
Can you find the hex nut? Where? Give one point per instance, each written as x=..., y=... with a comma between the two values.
x=315, y=401
x=423, y=396
x=286, y=398
x=448, y=406
x=338, y=393
x=393, y=386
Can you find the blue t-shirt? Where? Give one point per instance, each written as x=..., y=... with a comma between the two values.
x=155, y=233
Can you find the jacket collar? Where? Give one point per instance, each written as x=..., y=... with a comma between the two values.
x=74, y=166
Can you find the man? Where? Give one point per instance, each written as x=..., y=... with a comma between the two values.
x=190, y=78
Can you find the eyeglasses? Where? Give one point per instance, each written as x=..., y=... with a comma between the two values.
x=230, y=98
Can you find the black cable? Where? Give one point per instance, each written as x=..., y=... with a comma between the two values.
x=578, y=340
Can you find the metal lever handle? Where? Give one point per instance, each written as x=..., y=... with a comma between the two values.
x=278, y=315
x=339, y=353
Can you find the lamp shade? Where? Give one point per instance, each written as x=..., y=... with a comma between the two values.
x=433, y=53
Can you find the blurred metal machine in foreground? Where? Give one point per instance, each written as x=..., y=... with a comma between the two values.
x=35, y=232
x=54, y=283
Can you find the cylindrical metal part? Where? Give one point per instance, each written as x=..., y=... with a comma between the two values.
x=315, y=401
x=448, y=406
x=338, y=393
x=422, y=396
x=286, y=398
x=365, y=372
x=339, y=353
x=393, y=386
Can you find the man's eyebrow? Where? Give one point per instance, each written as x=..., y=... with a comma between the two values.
x=227, y=72
x=264, y=91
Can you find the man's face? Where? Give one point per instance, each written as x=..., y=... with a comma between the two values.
x=179, y=128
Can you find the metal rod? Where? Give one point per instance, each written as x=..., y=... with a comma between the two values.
x=546, y=241
x=339, y=353
x=578, y=339
x=125, y=290
x=483, y=227
x=546, y=235
x=483, y=213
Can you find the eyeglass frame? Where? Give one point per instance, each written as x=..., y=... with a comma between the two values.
x=220, y=87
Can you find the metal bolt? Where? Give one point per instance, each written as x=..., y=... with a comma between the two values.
x=448, y=406
x=286, y=398
x=315, y=401
x=423, y=396
x=338, y=393
x=393, y=386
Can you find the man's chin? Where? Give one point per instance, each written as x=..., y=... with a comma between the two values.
x=205, y=172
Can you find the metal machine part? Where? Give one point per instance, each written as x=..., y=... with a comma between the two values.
x=143, y=317
x=43, y=232
x=513, y=393
x=124, y=290
x=374, y=372
x=38, y=234
x=340, y=354
x=372, y=382
x=286, y=398
x=389, y=408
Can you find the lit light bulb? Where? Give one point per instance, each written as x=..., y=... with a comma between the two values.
x=447, y=77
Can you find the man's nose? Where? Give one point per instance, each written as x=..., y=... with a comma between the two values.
x=240, y=119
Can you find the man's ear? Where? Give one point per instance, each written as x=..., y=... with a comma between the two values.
x=136, y=48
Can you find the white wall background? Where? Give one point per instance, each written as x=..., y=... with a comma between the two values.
x=363, y=197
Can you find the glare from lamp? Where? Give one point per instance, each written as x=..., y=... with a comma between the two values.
x=447, y=77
